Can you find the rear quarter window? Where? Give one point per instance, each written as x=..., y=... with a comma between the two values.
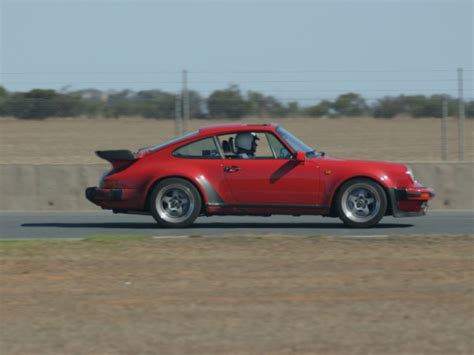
x=203, y=149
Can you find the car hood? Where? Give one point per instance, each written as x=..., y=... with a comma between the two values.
x=371, y=164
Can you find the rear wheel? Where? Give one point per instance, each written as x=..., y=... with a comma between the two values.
x=175, y=203
x=361, y=203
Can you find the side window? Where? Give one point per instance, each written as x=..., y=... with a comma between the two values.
x=227, y=142
x=204, y=149
x=264, y=151
x=267, y=146
x=279, y=150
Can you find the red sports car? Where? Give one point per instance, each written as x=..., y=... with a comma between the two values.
x=253, y=170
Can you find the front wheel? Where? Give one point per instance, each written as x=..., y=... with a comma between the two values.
x=361, y=203
x=175, y=203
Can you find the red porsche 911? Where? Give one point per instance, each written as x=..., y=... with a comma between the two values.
x=257, y=170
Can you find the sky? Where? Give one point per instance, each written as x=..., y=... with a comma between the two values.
x=294, y=50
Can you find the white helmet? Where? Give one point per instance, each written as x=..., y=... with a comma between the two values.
x=244, y=140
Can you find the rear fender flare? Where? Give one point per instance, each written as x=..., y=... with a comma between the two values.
x=208, y=194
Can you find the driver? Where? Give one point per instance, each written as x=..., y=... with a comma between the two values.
x=246, y=144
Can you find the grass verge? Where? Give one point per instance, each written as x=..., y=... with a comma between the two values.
x=246, y=295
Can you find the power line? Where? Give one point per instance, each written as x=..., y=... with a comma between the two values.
x=229, y=81
x=442, y=91
x=263, y=91
x=242, y=71
x=266, y=99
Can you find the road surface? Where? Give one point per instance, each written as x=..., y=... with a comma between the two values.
x=41, y=225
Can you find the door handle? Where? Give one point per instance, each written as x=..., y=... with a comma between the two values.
x=231, y=169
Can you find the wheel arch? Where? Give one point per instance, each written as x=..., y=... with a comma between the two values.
x=333, y=212
x=157, y=181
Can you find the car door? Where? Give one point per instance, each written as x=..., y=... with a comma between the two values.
x=272, y=177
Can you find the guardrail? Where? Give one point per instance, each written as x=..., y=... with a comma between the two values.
x=61, y=187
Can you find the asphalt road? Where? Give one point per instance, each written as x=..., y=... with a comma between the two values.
x=41, y=225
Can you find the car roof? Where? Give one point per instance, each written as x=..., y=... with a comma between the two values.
x=212, y=130
x=225, y=128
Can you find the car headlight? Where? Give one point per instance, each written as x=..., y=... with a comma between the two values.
x=409, y=172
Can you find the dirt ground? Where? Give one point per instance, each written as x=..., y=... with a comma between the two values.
x=73, y=140
x=247, y=295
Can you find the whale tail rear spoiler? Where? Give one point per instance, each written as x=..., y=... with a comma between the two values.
x=120, y=159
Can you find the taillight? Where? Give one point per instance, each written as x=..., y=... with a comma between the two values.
x=102, y=178
x=112, y=184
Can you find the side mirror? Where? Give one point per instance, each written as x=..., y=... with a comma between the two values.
x=300, y=156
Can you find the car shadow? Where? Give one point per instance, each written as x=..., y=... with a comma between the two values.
x=292, y=225
x=218, y=225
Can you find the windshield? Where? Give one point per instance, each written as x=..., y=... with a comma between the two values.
x=295, y=143
x=162, y=145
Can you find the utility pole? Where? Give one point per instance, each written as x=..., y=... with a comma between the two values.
x=178, y=127
x=185, y=94
x=461, y=115
x=444, y=130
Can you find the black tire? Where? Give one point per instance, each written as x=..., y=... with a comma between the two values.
x=361, y=203
x=168, y=206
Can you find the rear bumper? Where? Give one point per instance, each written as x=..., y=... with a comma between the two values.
x=96, y=195
x=410, y=201
x=113, y=198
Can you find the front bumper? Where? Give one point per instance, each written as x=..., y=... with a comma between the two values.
x=410, y=201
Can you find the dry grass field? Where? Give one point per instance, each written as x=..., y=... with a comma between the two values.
x=73, y=140
x=238, y=295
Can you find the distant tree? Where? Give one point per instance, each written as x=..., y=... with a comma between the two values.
x=420, y=106
x=37, y=103
x=469, y=107
x=196, y=105
x=293, y=108
x=321, y=109
x=14, y=105
x=3, y=92
x=387, y=107
x=92, y=102
x=265, y=106
x=120, y=104
x=156, y=104
x=40, y=103
x=89, y=94
x=413, y=105
x=227, y=103
x=435, y=103
x=256, y=105
x=275, y=108
x=3, y=98
x=350, y=104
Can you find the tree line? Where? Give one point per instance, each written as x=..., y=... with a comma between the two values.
x=230, y=102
